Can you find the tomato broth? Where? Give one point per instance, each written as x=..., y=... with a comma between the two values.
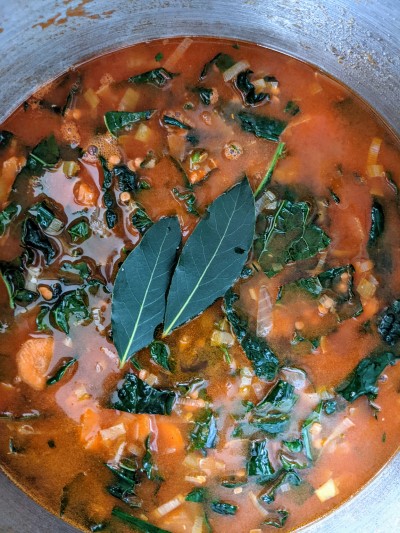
x=277, y=397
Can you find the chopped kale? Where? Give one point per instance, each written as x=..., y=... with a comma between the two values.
x=204, y=93
x=5, y=138
x=292, y=108
x=44, y=214
x=294, y=446
x=248, y=91
x=258, y=463
x=137, y=523
x=323, y=407
x=80, y=268
x=70, y=304
x=283, y=477
x=197, y=495
x=158, y=77
x=126, y=178
x=141, y=220
x=279, y=520
x=192, y=139
x=46, y=153
x=40, y=319
x=389, y=323
x=116, y=121
x=188, y=198
x=261, y=125
x=7, y=215
x=289, y=236
x=108, y=175
x=127, y=477
x=222, y=61
x=362, y=381
x=111, y=218
x=136, y=396
x=79, y=231
x=264, y=361
x=377, y=223
x=34, y=239
x=148, y=465
x=161, y=354
x=281, y=397
x=224, y=508
x=60, y=373
x=159, y=57
x=14, y=280
x=69, y=103
x=272, y=423
x=204, y=434
x=171, y=121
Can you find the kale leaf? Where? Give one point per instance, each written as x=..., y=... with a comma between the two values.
x=264, y=361
x=34, y=238
x=188, y=197
x=292, y=108
x=70, y=304
x=116, y=121
x=224, y=508
x=204, y=93
x=140, y=525
x=261, y=125
x=171, y=121
x=281, y=397
x=148, y=465
x=258, y=463
x=7, y=215
x=158, y=77
x=136, y=396
x=126, y=178
x=289, y=236
x=5, y=138
x=197, y=495
x=141, y=220
x=46, y=153
x=14, y=280
x=362, y=381
x=389, y=323
x=204, y=434
x=248, y=90
x=160, y=354
x=222, y=61
x=79, y=231
x=279, y=520
x=60, y=373
x=377, y=223
x=290, y=477
x=127, y=477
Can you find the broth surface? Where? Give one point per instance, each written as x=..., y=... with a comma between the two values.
x=338, y=160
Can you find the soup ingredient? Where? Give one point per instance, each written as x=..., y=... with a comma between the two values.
x=33, y=361
x=60, y=373
x=261, y=125
x=6, y=216
x=116, y=121
x=389, y=323
x=158, y=77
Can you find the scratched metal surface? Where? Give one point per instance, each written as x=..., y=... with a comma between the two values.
x=357, y=41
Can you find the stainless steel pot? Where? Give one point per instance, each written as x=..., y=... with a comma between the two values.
x=357, y=41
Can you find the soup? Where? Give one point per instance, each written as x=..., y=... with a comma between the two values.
x=199, y=273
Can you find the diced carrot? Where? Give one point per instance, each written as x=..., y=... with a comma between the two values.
x=90, y=428
x=85, y=194
x=33, y=361
x=169, y=438
x=137, y=427
x=8, y=173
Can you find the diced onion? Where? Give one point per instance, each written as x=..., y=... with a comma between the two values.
x=373, y=152
x=374, y=171
x=169, y=506
x=191, y=460
x=259, y=85
x=295, y=376
x=264, y=312
x=151, y=379
x=129, y=100
x=143, y=133
x=364, y=266
x=327, y=491
x=91, y=98
x=341, y=428
x=235, y=69
x=198, y=525
x=254, y=500
x=177, y=54
x=196, y=480
x=113, y=432
x=222, y=338
x=366, y=289
x=246, y=377
x=190, y=402
x=33, y=278
x=326, y=301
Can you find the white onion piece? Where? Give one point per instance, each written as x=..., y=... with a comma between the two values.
x=169, y=506
x=235, y=69
x=113, y=432
x=177, y=54
x=257, y=504
x=264, y=312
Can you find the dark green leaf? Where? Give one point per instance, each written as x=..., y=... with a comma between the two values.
x=14, y=280
x=261, y=125
x=389, y=323
x=7, y=215
x=126, y=178
x=137, y=523
x=5, y=138
x=70, y=304
x=224, y=508
x=189, y=199
x=141, y=220
x=79, y=231
x=281, y=398
x=141, y=284
x=281, y=515
x=313, y=418
x=284, y=477
x=40, y=324
x=258, y=463
x=69, y=103
x=292, y=108
x=289, y=237
x=44, y=215
x=264, y=361
x=158, y=77
x=204, y=93
x=160, y=354
x=46, y=153
x=272, y=423
x=171, y=121
x=60, y=373
x=148, y=465
x=289, y=464
x=248, y=91
x=197, y=495
x=111, y=218
x=136, y=396
x=79, y=268
x=222, y=61
x=108, y=175
x=294, y=446
x=126, y=474
x=158, y=57
x=34, y=238
x=268, y=175
x=116, y=121
x=204, y=434
x=377, y=223
x=222, y=237
x=362, y=381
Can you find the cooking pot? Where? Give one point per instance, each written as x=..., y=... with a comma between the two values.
x=356, y=41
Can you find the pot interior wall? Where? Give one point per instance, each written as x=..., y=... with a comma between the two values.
x=356, y=41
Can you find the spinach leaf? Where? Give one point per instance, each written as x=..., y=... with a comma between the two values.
x=204, y=93
x=268, y=175
x=292, y=108
x=389, y=323
x=158, y=77
x=46, y=153
x=204, y=434
x=5, y=138
x=377, y=223
x=222, y=61
x=281, y=397
x=160, y=354
x=79, y=231
x=7, y=215
x=138, y=303
x=224, y=508
x=148, y=465
x=34, y=238
x=222, y=237
x=116, y=121
x=70, y=304
x=261, y=125
x=60, y=373
x=290, y=236
x=141, y=220
x=127, y=477
x=197, y=495
x=171, y=121
x=264, y=361
x=14, y=280
x=137, y=523
x=248, y=90
x=258, y=463
x=136, y=396
x=284, y=477
x=362, y=381
x=188, y=197
x=126, y=178
x=281, y=516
